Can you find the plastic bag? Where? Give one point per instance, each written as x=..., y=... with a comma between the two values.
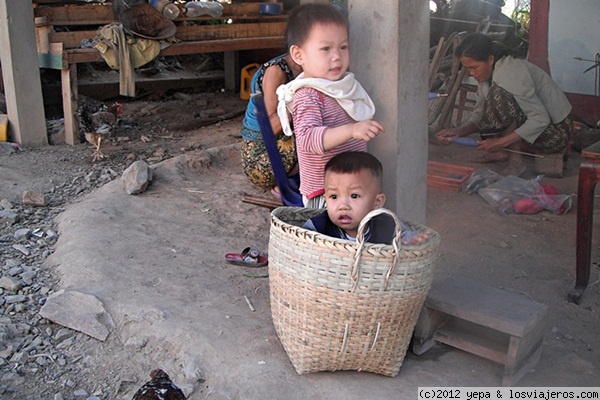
x=480, y=178
x=513, y=195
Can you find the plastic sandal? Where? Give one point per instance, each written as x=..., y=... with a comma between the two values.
x=249, y=257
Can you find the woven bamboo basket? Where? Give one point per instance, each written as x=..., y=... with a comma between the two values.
x=341, y=305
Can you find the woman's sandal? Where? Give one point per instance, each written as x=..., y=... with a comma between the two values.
x=249, y=257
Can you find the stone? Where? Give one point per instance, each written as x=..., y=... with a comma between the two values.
x=137, y=177
x=17, y=298
x=135, y=343
x=11, y=263
x=21, y=248
x=14, y=271
x=191, y=368
x=34, y=199
x=19, y=357
x=51, y=236
x=9, y=216
x=8, y=148
x=6, y=204
x=27, y=277
x=79, y=311
x=10, y=284
x=22, y=234
x=6, y=352
x=80, y=393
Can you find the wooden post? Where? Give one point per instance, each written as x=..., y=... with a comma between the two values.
x=20, y=68
x=42, y=32
x=232, y=70
x=69, y=95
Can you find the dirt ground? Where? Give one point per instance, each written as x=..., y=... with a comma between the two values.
x=156, y=262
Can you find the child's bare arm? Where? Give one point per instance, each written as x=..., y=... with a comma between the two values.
x=418, y=238
x=363, y=130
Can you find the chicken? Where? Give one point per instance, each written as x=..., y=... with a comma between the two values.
x=160, y=387
x=96, y=120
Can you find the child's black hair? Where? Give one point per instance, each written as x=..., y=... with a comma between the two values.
x=304, y=17
x=351, y=162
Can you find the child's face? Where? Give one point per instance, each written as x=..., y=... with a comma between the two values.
x=325, y=52
x=350, y=197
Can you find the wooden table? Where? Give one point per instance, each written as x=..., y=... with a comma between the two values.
x=589, y=176
x=61, y=28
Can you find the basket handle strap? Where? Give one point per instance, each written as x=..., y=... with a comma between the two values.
x=360, y=240
x=347, y=335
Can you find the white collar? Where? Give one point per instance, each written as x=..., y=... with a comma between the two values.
x=348, y=92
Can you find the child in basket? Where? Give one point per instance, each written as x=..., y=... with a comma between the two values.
x=330, y=109
x=352, y=190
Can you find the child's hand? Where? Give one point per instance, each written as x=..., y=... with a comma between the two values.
x=419, y=238
x=366, y=130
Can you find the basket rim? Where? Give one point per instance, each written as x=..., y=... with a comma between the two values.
x=434, y=238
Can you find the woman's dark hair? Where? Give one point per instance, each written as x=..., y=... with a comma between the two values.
x=303, y=18
x=480, y=47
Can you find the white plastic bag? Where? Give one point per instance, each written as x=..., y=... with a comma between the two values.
x=513, y=195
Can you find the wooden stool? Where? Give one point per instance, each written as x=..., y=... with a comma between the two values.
x=463, y=103
x=550, y=165
x=492, y=323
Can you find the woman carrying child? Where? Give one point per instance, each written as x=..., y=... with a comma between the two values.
x=255, y=160
x=332, y=113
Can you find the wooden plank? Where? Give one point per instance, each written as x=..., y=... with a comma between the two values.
x=512, y=375
x=551, y=165
x=73, y=39
x=50, y=61
x=101, y=14
x=428, y=323
x=520, y=349
x=187, y=48
x=229, y=31
x=474, y=339
x=486, y=306
x=261, y=201
x=69, y=95
x=212, y=46
x=231, y=64
x=76, y=14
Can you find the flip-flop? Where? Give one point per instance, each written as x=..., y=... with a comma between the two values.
x=249, y=257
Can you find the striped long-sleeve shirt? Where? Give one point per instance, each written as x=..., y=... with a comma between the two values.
x=313, y=113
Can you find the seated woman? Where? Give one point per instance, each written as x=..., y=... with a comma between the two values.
x=255, y=160
x=516, y=101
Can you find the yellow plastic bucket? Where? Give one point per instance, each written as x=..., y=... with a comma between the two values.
x=3, y=127
x=245, y=80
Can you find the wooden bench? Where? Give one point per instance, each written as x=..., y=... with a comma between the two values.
x=492, y=323
x=60, y=48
